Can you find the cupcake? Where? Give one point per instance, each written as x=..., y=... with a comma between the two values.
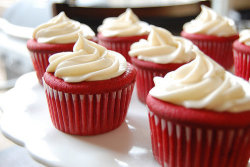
x=213, y=34
x=88, y=90
x=200, y=116
x=241, y=51
x=118, y=33
x=57, y=35
x=159, y=54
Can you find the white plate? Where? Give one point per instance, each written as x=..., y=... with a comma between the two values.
x=26, y=122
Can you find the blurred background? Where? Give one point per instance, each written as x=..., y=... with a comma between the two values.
x=18, y=18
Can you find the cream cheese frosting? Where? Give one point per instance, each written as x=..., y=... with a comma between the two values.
x=203, y=84
x=60, y=29
x=245, y=37
x=210, y=23
x=88, y=62
x=162, y=47
x=127, y=24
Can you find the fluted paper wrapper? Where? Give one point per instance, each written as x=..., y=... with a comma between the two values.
x=88, y=114
x=218, y=48
x=146, y=71
x=40, y=62
x=144, y=81
x=119, y=44
x=221, y=52
x=180, y=145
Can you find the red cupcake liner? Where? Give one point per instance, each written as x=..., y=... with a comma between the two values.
x=40, y=53
x=40, y=63
x=88, y=114
x=177, y=145
x=218, y=48
x=144, y=82
x=146, y=71
x=241, y=60
x=180, y=143
x=119, y=44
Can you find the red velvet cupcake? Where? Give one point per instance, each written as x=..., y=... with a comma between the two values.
x=119, y=33
x=146, y=71
x=159, y=54
x=218, y=48
x=241, y=50
x=203, y=138
x=199, y=115
x=119, y=44
x=213, y=34
x=57, y=35
x=40, y=53
x=88, y=90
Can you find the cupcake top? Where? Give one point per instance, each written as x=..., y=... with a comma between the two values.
x=60, y=29
x=162, y=47
x=208, y=22
x=127, y=24
x=245, y=37
x=88, y=62
x=203, y=84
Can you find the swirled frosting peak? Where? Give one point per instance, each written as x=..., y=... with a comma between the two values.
x=210, y=23
x=88, y=62
x=162, y=47
x=61, y=29
x=245, y=37
x=127, y=24
x=203, y=84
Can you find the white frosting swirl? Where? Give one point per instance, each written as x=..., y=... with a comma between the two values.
x=210, y=23
x=127, y=24
x=203, y=84
x=60, y=29
x=162, y=47
x=88, y=62
x=245, y=37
